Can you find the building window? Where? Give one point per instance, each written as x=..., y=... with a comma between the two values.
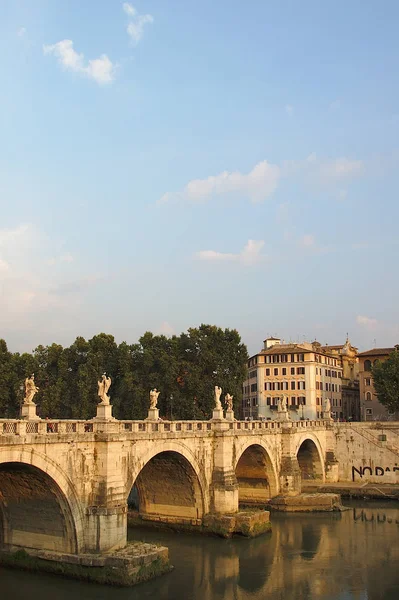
x=284, y=371
x=369, y=412
x=252, y=374
x=321, y=385
x=368, y=381
x=301, y=357
x=300, y=371
x=292, y=370
x=275, y=371
x=254, y=387
x=368, y=396
x=293, y=400
x=268, y=400
x=267, y=372
x=267, y=359
x=293, y=385
x=317, y=385
x=367, y=365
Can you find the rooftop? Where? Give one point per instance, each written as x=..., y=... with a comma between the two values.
x=377, y=352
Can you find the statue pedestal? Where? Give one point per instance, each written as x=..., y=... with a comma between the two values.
x=282, y=415
x=327, y=415
x=153, y=414
x=104, y=412
x=217, y=414
x=230, y=415
x=28, y=412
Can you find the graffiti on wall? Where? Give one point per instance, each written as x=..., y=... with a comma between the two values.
x=378, y=471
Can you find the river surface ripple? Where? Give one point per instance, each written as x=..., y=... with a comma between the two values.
x=336, y=556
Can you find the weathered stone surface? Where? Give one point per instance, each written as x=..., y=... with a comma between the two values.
x=307, y=503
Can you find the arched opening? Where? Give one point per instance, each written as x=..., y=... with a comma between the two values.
x=34, y=513
x=255, y=476
x=309, y=461
x=168, y=487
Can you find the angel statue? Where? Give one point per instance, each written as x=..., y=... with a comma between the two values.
x=218, y=393
x=30, y=389
x=327, y=405
x=103, y=386
x=283, y=405
x=228, y=401
x=154, y=398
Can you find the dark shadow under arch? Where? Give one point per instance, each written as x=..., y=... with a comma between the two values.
x=168, y=487
x=34, y=512
x=255, y=476
x=309, y=461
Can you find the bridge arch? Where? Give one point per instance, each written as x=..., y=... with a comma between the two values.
x=255, y=472
x=310, y=454
x=38, y=503
x=169, y=483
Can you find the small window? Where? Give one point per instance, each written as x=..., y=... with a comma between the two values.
x=293, y=385
x=368, y=381
x=267, y=372
x=276, y=371
x=369, y=412
x=368, y=396
x=284, y=371
x=367, y=365
x=292, y=370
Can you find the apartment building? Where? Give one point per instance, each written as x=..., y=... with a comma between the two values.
x=371, y=409
x=305, y=373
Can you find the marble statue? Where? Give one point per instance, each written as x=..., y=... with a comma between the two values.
x=30, y=389
x=154, y=398
x=229, y=401
x=218, y=393
x=327, y=405
x=103, y=386
x=283, y=404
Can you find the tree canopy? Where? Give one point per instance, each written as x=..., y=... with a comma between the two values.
x=184, y=368
x=386, y=381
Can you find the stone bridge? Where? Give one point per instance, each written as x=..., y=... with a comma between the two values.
x=64, y=485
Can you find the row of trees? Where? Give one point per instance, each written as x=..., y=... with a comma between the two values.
x=184, y=368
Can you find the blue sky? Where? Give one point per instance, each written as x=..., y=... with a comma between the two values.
x=164, y=164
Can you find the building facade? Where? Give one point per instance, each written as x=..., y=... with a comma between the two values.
x=306, y=374
x=370, y=408
x=350, y=380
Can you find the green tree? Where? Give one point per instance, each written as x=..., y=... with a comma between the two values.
x=386, y=381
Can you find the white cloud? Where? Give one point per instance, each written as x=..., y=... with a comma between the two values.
x=289, y=109
x=66, y=258
x=367, y=322
x=101, y=69
x=250, y=254
x=257, y=185
x=21, y=32
x=166, y=329
x=324, y=172
x=135, y=27
x=341, y=168
x=307, y=241
x=129, y=9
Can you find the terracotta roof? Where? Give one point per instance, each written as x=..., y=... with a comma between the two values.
x=338, y=347
x=377, y=352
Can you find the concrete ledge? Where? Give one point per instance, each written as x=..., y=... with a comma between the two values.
x=353, y=490
x=136, y=563
x=307, y=503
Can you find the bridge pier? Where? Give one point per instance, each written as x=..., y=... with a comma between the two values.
x=224, y=486
x=290, y=473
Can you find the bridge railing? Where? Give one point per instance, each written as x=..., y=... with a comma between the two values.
x=58, y=426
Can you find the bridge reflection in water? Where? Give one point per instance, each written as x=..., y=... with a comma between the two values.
x=351, y=555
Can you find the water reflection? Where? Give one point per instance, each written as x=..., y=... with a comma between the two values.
x=345, y=556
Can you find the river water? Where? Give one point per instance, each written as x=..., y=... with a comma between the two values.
x=336, y=556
